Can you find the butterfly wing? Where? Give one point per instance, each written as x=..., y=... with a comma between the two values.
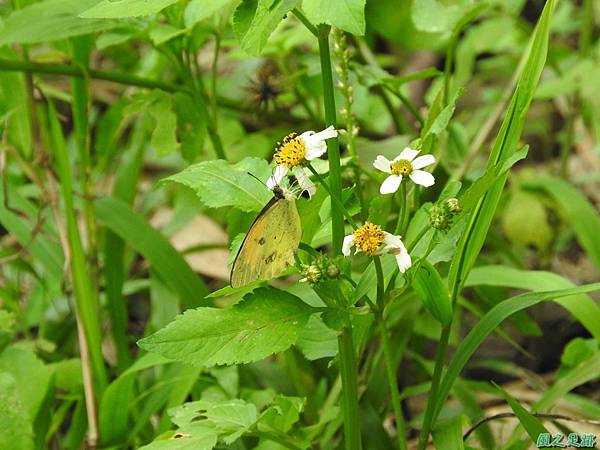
x=270, y=243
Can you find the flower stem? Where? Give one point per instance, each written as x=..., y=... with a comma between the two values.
x=348, y=371
x=333, y=144
x=387, y=355
x=440, y=357
x=403, y=211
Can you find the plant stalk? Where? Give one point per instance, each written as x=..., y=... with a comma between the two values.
x=348, y=370
x=333, y=144
x=387, y=355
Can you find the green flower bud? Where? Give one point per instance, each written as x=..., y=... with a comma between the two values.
x=453, y=206
x=438, y=218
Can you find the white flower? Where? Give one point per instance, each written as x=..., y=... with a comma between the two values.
x=406, y=163
x=292, y=153
x=372, y=240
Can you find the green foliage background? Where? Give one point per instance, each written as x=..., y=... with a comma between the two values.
x=128, y=129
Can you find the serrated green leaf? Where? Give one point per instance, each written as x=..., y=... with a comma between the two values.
x=191, y=437
x=255, y=20
x=283, y=413
x=15, y=424
x=50, y=20
x=227, y=419
x=219, y=183
x=348, y=15
x=122, y=9
x=266, y=321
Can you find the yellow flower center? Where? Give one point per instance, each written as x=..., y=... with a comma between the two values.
x=368, y=238
x=402, y=167
x=291, y=151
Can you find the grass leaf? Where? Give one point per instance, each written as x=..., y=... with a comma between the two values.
x=149, y=242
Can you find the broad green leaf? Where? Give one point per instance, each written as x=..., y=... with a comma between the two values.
x=317, y=340
x=219, y=183
x=581, y=306
x=488, y=324
x=122, y=9
x=432, y=291
x=32, y=377
x=532, y=424
x=197, y=10
x=266, y=321
x=348, y=15
x=255, y=20
x=141, y=236
x=447, y=435
x=117, y=398
x=191, y=437
x=584, y=218
x=228, y=419
x=505, y=146
x=159, y=105
x=433, y=16
x=50, y=20
x=16, y=431
x=282, y=414
x=535, y=230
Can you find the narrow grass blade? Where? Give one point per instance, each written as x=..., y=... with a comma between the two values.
x=533, y=426
x=85, y=295
x=487, y=324
x=581, y=306
x=166, y=261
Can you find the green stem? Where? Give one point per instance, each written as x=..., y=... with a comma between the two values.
x=440, y=357
x=334, y=199
x=81, y=72
x=333, y=144
x=348, y=369
x=387, y=355
x=309, y=26
x=403, y=211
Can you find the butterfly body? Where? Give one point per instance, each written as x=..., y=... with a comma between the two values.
x=270, y=243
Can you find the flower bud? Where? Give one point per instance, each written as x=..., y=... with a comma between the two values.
x=453, y=206
x=438, y=218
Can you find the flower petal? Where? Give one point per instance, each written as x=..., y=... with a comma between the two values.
x=382, y=163
x=403, y=260
x=278, y=174
x=304, y=181
x=423, y=178
x=314, y=143
x=423, y=161
x=392, y=241
x=408, y=153
x=390, y=184
x=347, y=244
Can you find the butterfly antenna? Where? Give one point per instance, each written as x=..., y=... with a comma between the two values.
x=257, y=179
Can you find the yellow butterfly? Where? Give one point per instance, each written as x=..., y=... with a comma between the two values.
x=270, y=243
